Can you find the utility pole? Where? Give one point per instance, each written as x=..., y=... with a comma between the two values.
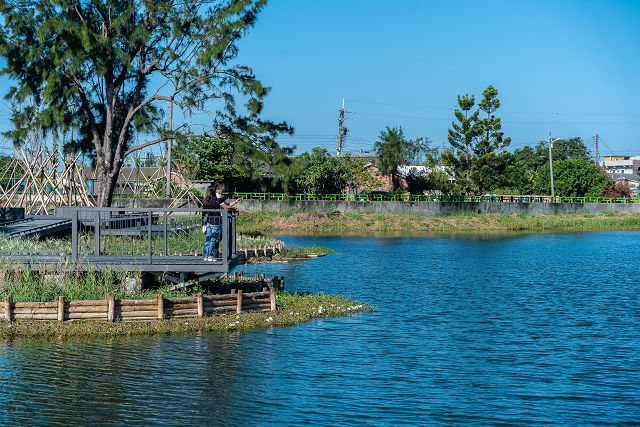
x=597, y=154
x=342, y=131
x=553, y=192
x=167, y=190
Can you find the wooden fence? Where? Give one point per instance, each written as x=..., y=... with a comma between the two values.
x=110, y=309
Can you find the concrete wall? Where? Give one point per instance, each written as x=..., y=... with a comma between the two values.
x=439, y=208
x=417, y=208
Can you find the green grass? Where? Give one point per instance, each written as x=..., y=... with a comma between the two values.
x=370, y=223
x=25, y=285
x=303, y=253
x=292, y=309
x=189, y=243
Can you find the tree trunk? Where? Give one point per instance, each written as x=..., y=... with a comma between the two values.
x=106, y=181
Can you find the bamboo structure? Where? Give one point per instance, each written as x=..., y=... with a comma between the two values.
x=136, y=183
x=39, y=181
x=110, y=309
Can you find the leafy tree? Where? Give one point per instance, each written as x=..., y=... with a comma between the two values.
x=572, y=178
x=242, y=165
x=394, y=149
x=518, y=178
x=267, y=167
x=526, y=161
x=205, y=158
x=563, y=149
x=90, y=65
x=320, y=172
x=433, y=181
x=566, y=149
x=359, y=178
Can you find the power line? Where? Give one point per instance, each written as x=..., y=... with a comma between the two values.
x=602, y=141
x=401, y=105
x=550, y=113
x=520, y=122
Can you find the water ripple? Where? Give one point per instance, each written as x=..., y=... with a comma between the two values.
x=539, y=329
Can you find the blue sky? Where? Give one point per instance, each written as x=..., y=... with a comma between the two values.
x=565, y=67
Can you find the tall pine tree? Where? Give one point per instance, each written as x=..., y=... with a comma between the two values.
x=462, y=137
x=477, y=156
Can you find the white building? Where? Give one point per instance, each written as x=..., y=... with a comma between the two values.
x=623, y=169
x=628, y=165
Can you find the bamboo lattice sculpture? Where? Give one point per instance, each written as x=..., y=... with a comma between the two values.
x=40, y=181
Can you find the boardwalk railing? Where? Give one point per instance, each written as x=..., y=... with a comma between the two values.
x=376, y=197
x=110, y=309
x=136, y=239
x=160, y=237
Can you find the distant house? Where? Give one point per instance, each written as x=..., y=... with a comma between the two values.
x=133, y=179
x=623, y=169
x=621, y=164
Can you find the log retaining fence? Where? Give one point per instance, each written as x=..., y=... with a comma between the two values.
x=110, y=309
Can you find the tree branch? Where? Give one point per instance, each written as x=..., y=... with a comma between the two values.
x=159, y=140
x=87, y=107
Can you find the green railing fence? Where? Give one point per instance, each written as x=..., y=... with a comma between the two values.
x=376, y=197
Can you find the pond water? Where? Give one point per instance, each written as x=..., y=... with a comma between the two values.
x=519, y=329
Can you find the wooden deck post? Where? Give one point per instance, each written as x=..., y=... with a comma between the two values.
x=272, y=298
x=7, y=308
x=200, y=304
x=239, y=302
x=160, y=306
x=111, y=308
x=60, y=308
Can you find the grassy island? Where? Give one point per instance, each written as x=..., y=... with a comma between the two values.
x=370, y=223
x=291, y=309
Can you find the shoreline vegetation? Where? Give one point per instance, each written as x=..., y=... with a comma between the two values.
x=305, y=222
x=291, y=308
x=25, y=285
